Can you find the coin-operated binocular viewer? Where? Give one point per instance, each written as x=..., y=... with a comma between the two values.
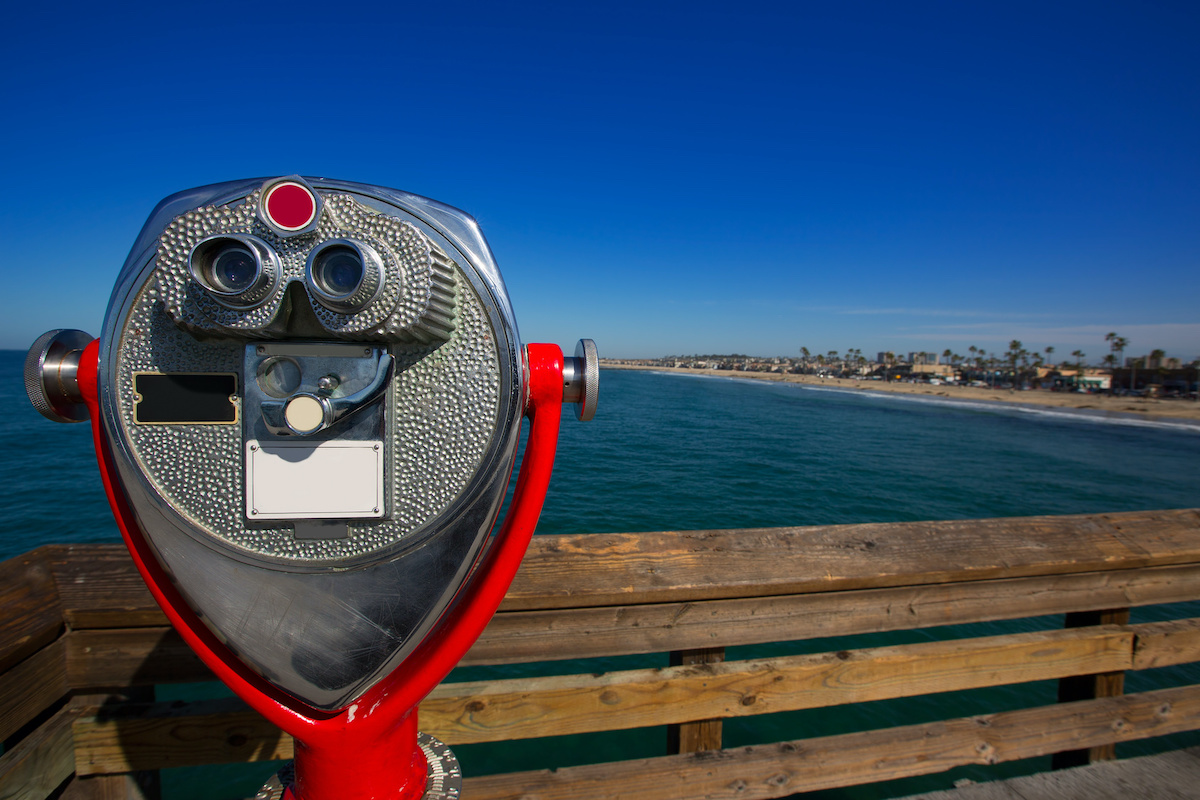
x=306, y=403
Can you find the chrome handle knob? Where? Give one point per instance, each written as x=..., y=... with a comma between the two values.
x=51, y=375
x=581, y=379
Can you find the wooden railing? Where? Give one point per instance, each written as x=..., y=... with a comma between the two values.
x=82, y=645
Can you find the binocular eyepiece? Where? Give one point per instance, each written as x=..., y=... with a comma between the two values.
x=307, y=398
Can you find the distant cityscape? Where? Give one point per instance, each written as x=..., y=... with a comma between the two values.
x=1153, y=373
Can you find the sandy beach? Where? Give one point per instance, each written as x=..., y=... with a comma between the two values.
x=1145, y=407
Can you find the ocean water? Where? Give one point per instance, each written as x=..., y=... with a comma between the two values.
x=680, y=452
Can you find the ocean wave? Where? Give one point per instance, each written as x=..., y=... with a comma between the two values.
x=1049, y=413
x=1088, y=415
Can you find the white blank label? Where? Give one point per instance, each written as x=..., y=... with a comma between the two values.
x=302, y=480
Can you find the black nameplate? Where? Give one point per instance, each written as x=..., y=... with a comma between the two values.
x=185, y=398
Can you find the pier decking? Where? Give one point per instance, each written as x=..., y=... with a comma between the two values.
x=1169, y=776
x=82, y=647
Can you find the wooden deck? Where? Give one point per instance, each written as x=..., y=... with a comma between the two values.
x=82, y=647
x=1170, y=776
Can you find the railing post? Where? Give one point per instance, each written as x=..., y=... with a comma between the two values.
x=1090, y=687
x=692, y=737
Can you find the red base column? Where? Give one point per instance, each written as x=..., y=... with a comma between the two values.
x=351, y=766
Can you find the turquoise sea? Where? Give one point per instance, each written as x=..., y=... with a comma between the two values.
x=680, y=452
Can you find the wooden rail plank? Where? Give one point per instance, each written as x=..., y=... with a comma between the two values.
x=40, y=762
x=32, y=614
x=31, y=687
x=154, y=736
x=141, y=656
x=517, y=637
x=786, y=768
x=616, y=569
x=530, y=707
x=1165, y=644
x=130, y=657
x=100, y=588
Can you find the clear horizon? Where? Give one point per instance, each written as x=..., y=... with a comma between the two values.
x=662, y=178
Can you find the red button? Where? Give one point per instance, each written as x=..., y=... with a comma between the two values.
x=290, y=205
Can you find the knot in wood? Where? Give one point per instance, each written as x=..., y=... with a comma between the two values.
x=779, y=780
x=475, y=706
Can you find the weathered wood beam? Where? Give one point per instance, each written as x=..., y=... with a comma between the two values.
x=786, y=768
x=553, y=706
x=131, y=657
x=32, y=687
x=1087, y=687
x=616, y=569
x=155, y=736
x=692, y=737
x=127, y=656
x=1166, y=644
x=162, y=735
x=99, y=586
x=517, y=637
x=32, y=616
x=37, y=765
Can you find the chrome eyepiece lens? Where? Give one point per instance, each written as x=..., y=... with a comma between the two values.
x=237, y=271
x=338, y=271
x=344, y=275
x=234, y=269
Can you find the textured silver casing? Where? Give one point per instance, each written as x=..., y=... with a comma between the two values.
x=320, y=609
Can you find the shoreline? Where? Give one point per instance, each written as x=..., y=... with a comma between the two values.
x=1151, y=409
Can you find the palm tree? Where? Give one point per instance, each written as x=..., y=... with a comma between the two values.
x=1156, y=356
x=1079, y=354
x=1118, y=345
x=1015, y=351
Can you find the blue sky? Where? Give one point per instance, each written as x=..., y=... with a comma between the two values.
x=664, y=178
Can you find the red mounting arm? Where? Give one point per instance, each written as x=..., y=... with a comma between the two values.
x=368, y=750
